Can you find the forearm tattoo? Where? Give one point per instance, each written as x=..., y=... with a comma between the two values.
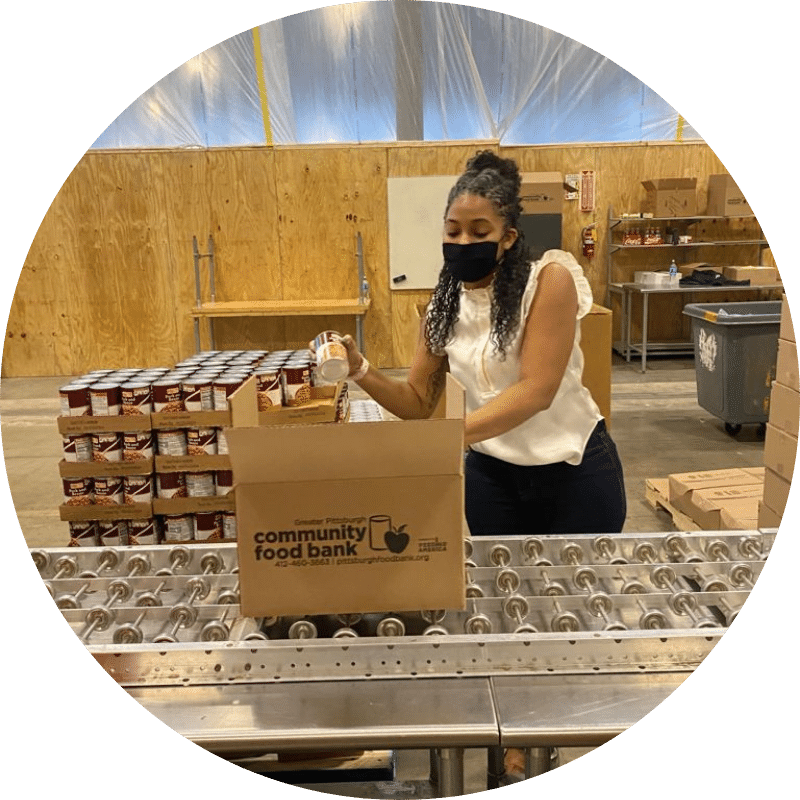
x=436, y=382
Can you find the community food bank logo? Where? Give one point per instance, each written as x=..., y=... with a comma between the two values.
x=384, y=536
x=331, y=538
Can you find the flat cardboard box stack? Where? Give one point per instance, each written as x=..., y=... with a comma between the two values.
x=358, y=518
x=780, y=444
x=722, y=499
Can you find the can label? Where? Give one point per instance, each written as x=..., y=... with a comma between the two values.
x=170, y=484
x=83, y=534
x=78, y=491
x=142, y=531
x=199, y=484
x=137, y=445
x=112, y=533
x=222, y=442
x=208, y=526
x=201, y=441
x=167, y=397
x=105, y=399
x=108, y=491
x=137, y=399
x=74, y=400
x=268, y=388
x=223, y=389
x=137, y=489
x=106, y=447
x=228, y=525
x=77, y=448
x=197, y=394
x=178, y=528
x=172, y=442
x=296, y=384
x=224, y=482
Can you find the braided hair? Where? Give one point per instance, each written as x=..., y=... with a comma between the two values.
x=498, y=180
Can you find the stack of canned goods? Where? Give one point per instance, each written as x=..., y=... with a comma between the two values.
x=200, y=383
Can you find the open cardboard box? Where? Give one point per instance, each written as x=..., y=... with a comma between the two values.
x=341, y=519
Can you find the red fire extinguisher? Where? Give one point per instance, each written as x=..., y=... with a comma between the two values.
x=589, y=237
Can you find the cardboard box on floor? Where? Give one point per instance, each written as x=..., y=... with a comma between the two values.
x=780, y=451
x=776, y=492
x=767, y=518
x=350, y=518
x=786, y=368
x=683, y=485
x=716, y=509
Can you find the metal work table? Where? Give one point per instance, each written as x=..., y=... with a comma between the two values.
x=627, y=290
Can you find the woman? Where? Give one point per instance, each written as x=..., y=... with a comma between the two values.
x=540, y=460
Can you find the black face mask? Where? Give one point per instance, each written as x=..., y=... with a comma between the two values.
x=470, y=262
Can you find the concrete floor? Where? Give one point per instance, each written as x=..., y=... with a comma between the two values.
x=655, y=420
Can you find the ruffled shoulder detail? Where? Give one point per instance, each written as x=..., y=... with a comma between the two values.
x=569, y=261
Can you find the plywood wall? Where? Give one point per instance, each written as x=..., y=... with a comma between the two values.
x=109, y=279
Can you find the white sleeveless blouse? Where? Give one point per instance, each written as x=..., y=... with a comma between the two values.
x=558, y=433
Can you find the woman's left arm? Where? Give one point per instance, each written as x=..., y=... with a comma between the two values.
x=546, y=346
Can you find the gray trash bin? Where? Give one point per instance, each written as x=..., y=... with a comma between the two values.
x=736, y=350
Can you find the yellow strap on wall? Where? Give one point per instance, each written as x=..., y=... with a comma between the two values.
x=262, y=86
x=679, y=129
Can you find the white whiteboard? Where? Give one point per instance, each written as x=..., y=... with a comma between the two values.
x=416, y=220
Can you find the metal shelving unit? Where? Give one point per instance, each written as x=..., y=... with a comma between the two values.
x=627, y=289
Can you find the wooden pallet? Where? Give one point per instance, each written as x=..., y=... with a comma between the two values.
x=657, y=495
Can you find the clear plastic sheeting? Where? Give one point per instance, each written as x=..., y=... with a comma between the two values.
x=389, y=71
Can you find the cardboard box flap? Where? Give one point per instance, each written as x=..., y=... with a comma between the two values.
x=280, y=453
x=375, y=449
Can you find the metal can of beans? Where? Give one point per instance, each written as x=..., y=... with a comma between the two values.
x=74, y=399
x=137, y=445
x=201, y=441
x=229, y=525
x=112, y=533
x=142, y=531
x=296, y=383
x=178, y=528
x=105, y=399
x=222, y=442
x=224, y=387
x=83, y=533
x=172, y=442
x=197, y=394
x=332, y=361
x=199, y=484
x=167, y=395
x=137, y=398
x=137, y=489
x=268, y=388
x=207, y=526
x=108, y=490
x=170, y=484
x=78, y=491
x=223, y=481
x=106, y=447
x=77, y=448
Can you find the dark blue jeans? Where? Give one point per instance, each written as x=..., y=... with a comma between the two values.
x=503, y=499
